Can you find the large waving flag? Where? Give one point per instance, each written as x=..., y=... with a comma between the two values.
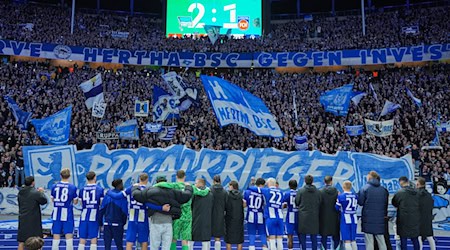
x=22, y=117
x=55, y=129
x=233, y=105
x=175, y=84
x=93, y=90
x=213, y=32
x=337, y=101
x=389, y=107
x=128, y=130
x=165, y=105
x=416, y=100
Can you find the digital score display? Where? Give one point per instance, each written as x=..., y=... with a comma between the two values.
x=188, y=17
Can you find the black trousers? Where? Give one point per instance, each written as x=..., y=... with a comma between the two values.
x=113, y=232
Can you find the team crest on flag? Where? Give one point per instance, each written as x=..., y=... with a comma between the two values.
x=141, y=108
x=167, y=133
x=98, y=109
x=55, y=129
x=380, y=129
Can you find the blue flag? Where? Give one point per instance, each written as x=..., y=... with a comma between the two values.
x=167, y=133
x=301, y=142
x=128, y=130
x=435, y=142
x=55, y=129
x=337, y=101
x=416, y=100
x=389, y=107
x=355, y=130
x=153, y=127
x=233, y=105
x=165, y=105
x=22, y=117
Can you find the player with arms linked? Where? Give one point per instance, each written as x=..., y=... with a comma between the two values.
x=254, y=202
x=291, y=223
x=91, y=196
x=64, y=196
x=273, y=213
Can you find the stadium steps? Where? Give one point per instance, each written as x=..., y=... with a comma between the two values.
x=8, y=240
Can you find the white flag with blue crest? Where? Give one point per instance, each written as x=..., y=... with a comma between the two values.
x=234, y=105
x=141, y=108
x=167, y=133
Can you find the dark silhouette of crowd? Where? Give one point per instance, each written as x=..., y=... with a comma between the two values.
x=383, y=29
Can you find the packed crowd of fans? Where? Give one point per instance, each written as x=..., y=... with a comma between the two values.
x=198, y=128
x=383, y=29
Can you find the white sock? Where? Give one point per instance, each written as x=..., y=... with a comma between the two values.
x=354, y=246
x=420, y=242
x=93, y=246
x=206, y=245
x=348, y=246
x=81, y=246
x=191, y=245
x=280, y=243
x=69, y=244
x=431, y=242
x=217, y=245
x=252, y=248
x=55, y=244
x=265, y=248
x=272, y=245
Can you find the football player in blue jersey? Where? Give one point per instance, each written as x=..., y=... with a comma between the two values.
x=91, y=196
x=273, y=213
x=254, y=202
x=347, y=203
x=291, y=223
x=64, y=196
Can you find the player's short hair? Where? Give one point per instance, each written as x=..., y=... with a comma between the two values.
x=403, y=179
x=328, y=179
x=374, y=175
x=117, y=182
x=201, y=181
x=234, y=184
x=271, y=182
x=421, y=181
x=143, y=177
x=65, y=173
x=90, y=175
x=347, y=185
x=29, y=180
x=260, y=182
x=181, y=174
x=309, y=179
x=293, y=184
x=216, y=178
x=34, y=243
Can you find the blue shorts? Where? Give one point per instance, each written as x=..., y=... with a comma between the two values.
x=348, y=232
x=274, y=227
x=291, y=228
x=88, y=230
x=140, y=229
x=62, y=227
x=253, y=227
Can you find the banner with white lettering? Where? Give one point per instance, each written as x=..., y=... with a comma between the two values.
x=419, y=53
x=45, y=163
x=234, y=105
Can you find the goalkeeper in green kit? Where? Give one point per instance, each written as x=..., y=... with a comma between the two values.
x=182, y=228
